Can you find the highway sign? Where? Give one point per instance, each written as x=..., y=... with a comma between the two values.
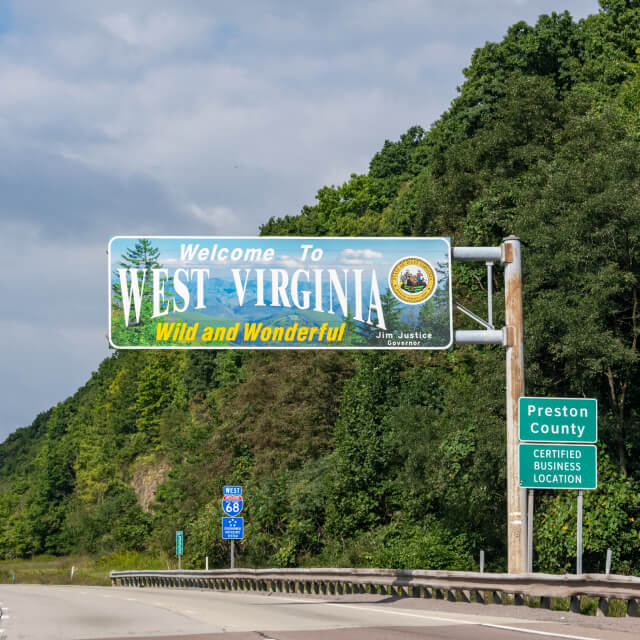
x=232, y=490
x=179, y=543
x=558, y=419
x=558, y=466
x=232, y=528
x=232, y=505
x=280, y=293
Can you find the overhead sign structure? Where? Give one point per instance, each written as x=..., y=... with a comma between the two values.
x=232, y=528
x=279, y=293
x=558, y=419
x=558, y=466
x=232, y=504
x=148, y=307
x=179, y=543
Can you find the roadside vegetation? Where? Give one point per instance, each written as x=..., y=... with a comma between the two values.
x=87, y=570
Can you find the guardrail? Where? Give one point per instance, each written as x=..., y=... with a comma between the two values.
x=456, y=586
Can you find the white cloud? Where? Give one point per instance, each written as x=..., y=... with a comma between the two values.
x=359, y=256
x=289, y=262
x=217, y=217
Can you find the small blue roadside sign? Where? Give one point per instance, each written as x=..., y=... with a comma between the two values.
x=232, y=505
x=232, y=490
x=232, y=528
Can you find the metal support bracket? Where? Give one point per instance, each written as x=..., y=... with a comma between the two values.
x=472, y=315
x=488, y=255
x=488, y=336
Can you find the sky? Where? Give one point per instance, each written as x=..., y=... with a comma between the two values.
x=191, y=118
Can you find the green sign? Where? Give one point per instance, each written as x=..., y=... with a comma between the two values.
x=179, y=543
x=558, y=466
x=558, y=419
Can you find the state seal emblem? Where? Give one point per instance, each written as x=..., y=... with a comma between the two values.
x=412, y=280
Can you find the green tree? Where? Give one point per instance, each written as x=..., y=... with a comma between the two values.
x=143, y=257
x=364, y=448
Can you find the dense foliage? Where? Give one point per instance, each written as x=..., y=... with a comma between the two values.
x=393, y=459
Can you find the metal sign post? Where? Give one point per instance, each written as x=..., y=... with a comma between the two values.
x=511, y=337
x=530, y=532
x=579, y=536
x=516, y=497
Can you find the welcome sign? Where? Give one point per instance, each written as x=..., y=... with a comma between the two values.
x=279, y=293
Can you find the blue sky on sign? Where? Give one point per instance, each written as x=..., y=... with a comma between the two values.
x=192, y=118
x=379, y=253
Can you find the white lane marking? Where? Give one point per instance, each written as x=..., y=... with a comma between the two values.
x=469, y=622
x=539, y=633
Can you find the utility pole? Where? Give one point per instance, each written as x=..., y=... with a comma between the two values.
x=516, y=497
x=510, y=336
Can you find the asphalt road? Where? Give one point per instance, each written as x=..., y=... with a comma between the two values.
x=38, y=612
